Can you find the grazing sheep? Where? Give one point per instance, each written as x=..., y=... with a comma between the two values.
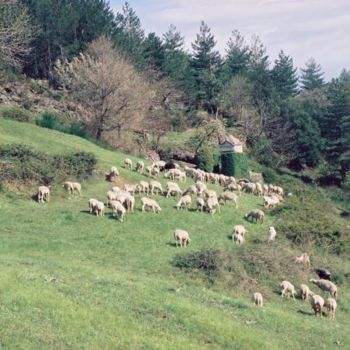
x=237, y=238
x=191, y=190
x=200, y=204
x=239, y=230
x=210, y=194
x=303, y=259
x=271, y=234
x=43, y=194
x=159, y=164
x=184, y=202
x=323, y=274
x=76, y=187
x=287, y=289
x=155, y=185
x=92, y=204
x=140, y=165
x=152, y=170
x=68, y=186
x=182, y=238
x=128, y=163
x=212, y=205
x=99, y=209
x=116, y=189
x=131, y=188
x=326, y=286
x=127, y=200
x=257, y=215
x=229, y=196
x=249, y=187
x=114, y=171
x=150, y=203
x=258, y=299
x=305, y=292
x=317, y=303
x=111, y=196
x=201, y=187
x=118, y=208
x=331, y=305
x=270, y=202
x=143, y=187
x=173, y=188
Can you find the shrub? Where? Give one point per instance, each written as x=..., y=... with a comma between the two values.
x=269, y=175
x=234, y=164
x=204, y=158
x=264, y=154
x=14, y=113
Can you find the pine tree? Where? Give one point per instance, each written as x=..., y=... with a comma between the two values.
x=284, y=76
x=312, y=76
x=206, y=64
x=154, y=51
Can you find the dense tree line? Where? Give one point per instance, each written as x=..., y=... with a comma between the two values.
x=290, y=118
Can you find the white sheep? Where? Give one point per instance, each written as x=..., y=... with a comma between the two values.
x=128, y=163
x=116, y=189
x=184, y=202
x=131, y=188
x=143, y=187
x=126, y=199
x=317, y=303
x=271, y=234
x=68, y=186
x=256, y=214
x=111, y=196
x=140, y=165
x=326, y=286
x=237, y=238
x=99, y=209
x=229, y=196
x=259, y=189
x=212, y=205
x=150, y=203
x=303, y=259
x=239, y=230
x=92, y=203
x=191, y=190
x=43, y=194
x=182, y=238
x=76, y=187
x=152, y=170
x=305, y=292
x=118, y=208
x=287, y=289
x=173, y=188
x=201, y=187
x=257, y=299
x=200, y=204
x=210, y=194
x=155, y=185
x=114, y=171
x=331, y=305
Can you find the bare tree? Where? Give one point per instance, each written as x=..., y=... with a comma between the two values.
x=16, y=32
x=106, y=83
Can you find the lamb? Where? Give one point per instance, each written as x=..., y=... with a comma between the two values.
x=212, y=205
x=172, y=188
x=258, y=299
x=184, y=202
x=239, y=230
x=150, y=203
x=305, y=292
x=127, y=163
x=155, y=185
x=237, y=238
x=271, y=234
x=182, y=238
x=317, y=303
x=92, y=204
x=43, y=194
x=303, y=259
x=229, y=196
x=257, y=215
x=326, y=286
x=331, y=305
x=99, y=209
x=118, y=208
x=140, y=165
x=287, y=289
x=200, y=204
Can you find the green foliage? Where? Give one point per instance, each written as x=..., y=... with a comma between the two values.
x=312, y=75
x=204, y=157
x=24, y=164
x=234, y=164
x=264, y=154
x=15, y=113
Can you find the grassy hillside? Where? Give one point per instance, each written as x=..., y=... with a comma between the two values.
x=70, y=280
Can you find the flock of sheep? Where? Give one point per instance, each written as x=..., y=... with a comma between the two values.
x=122, y=201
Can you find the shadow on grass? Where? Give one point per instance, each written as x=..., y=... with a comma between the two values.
x=308, y=313
x=86, y=212
x=171, y=244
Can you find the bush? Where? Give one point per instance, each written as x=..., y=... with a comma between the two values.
x=23, y=164
x=269, y=175
x=234, y=164
x=204, y=158
x=264, y=154
x=14, y=113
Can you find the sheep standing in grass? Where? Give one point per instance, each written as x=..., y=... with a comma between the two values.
x=43, y=194
x=287, y=289
x=237, y=238
x=257, y=215
x=271, y=234
x=140, y=165
x=305, y=292
x=152, y=170
x=128, y=163
x=201, y=187
x=182, y=238
x=116, y=189
x=99, y=209
x=76, y=187
x=200, y=204
x=326, y=286
x=143, y=187
x=184, y=202
x=317, y=303
x=118, y=208
x=229, y=196
x=155, y=185
x=114, y=171
x=131, y=188
x=173, y=188
x=212, y=205
x=92, y=203
x=239, y=230
x=331, y=305
x=258, y=299
x=150, y=203
x=191, y=190
x=111, y=196
x=68, y=186
x=303, y=259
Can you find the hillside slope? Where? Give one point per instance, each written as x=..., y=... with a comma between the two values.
x=70, y=280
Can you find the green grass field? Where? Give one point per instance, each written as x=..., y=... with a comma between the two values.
x=70, y=280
